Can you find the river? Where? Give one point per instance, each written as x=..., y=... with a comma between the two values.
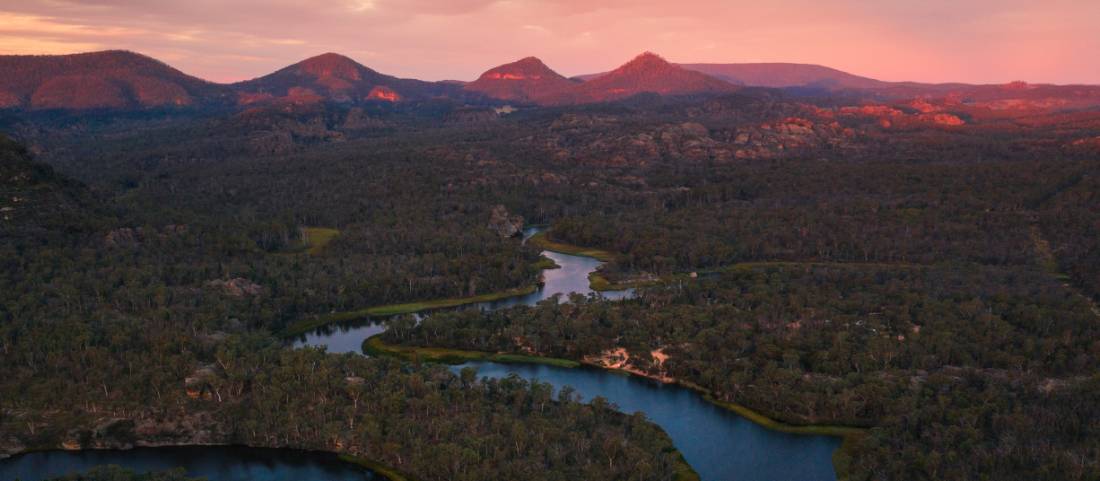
x=571, y=276
x=216, y=463
x=719, y=444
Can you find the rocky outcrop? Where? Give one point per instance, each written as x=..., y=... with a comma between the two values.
x=130, y=236
x=236, y=287
x=123, y=433
x=383, y=93
x=358, y=119
x=948, y=120
x=505, y=224
x=788, y=136
x=275, y=131
x=889, y=117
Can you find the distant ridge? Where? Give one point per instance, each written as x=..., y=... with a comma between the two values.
x=112, y=79
x=122, y=80
x=782, y=75
x=776, y=75
x=525, y=80
x=646, y=73
x=334, y=77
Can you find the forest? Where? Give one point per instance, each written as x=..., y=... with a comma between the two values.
x=936, y=286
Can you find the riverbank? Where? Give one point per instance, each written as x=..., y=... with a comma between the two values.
x=542, y=242
x=374, y=346
x=841, y=457
x=377, y=468
x=596, y=281
x=306, y=325
x=849, y=435
x=381, y=470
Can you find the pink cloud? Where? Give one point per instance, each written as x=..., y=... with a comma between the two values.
x=933, y=40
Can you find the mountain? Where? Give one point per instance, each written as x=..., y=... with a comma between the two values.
x=776, y=75
x=121, y=80
x=647, y=72
x=338, y=78
x=780, y=75
x=99, y=80
x=525, y=80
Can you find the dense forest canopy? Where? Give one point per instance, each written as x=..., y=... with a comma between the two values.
x=936, y=284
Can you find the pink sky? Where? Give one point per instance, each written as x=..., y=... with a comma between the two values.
x=923, y=40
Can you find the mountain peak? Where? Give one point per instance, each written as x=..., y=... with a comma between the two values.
x=331, y=65
x=647, y=60
x=109, y=79
x=526, y=79
x=647, y=72
x=527, y=68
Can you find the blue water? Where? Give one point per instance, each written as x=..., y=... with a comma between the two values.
x=570, y=277
x=718, y=444
x=216, y=463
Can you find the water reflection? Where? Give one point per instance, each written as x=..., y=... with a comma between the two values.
x=717, y=443
x=216, y=463
x=570, y=277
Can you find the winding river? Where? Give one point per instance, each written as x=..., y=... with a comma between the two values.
x=216, y=463
x=570, y=276
x=719, y=444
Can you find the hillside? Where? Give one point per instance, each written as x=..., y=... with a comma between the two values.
x=99, y=80
x=646, y=73
x=781, y=75
x=338, y=78
x=36, y=201
x=525, y=80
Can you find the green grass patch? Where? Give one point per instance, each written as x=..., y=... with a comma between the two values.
x=683, y=471
x=541, y=241
x=306, y=325
x=379, y=468
x=762, y=420
x=598, y=282
x=546, y=263
x=374, y=346
x=524, y=359
x=316, y=238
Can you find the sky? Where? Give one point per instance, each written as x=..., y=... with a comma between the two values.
x=977, y=41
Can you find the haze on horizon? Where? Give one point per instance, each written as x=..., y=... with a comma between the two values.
x=976, y=41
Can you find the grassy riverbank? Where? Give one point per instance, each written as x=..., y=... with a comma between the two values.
x=596, y=281
x=841, y=457
x=378, y=468
x=306, y=325
x=542, y=242
x=374, y=346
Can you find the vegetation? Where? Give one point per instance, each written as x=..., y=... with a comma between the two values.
x=151, y=350
x=542, y=241
x=375, y=346
x=316, y=238
x=307, y=325
x=934, y=286
x=116, y=473
x=891, y=349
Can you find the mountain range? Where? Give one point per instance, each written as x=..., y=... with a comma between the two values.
x=122, y=80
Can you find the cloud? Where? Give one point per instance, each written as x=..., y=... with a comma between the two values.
x=932, y=40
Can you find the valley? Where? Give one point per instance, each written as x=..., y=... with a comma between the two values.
x=741, y=271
